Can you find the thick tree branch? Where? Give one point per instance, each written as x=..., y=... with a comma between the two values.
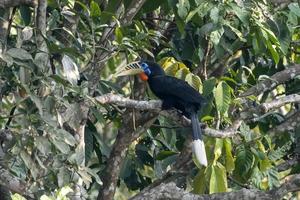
x=289, y=124
x=273, y=81
x=155, y=106
x=13, y=3
x=277, y=103
x=172, y=192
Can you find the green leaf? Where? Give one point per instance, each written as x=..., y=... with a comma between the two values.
x=181, y=73
x=218, y=149
x=294, y=7
x=183, y=8
x=119, y=35
x=273, y=51
x=222, y=97
x=194, y=81
x=245, y=131
x=192, y=14
x=164, y=154
x=218, y=179
x=30, y=164
x=66, y=137
x=61, y=146
x=214, y=14
x=216, y=35
x=180, y=25
x=199, y=182
x=208, y=86
x=19, y=54
x=228, y=156
x=244, y=162
x=43, y=145
x=95, y=9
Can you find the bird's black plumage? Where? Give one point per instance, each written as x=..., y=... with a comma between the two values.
x=179, y=94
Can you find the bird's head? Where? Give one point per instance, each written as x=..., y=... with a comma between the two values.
x=145, y=69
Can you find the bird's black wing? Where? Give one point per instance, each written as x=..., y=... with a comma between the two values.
x=173, y=87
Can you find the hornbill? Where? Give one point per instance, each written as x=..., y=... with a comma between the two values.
x=174, y=93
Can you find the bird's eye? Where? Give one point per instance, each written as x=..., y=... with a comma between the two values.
x=144, y=66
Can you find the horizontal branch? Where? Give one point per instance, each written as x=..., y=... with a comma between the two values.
x=13, y=3
x=277, y=103
x=273, y=81
x=155, y=106
x=172, y=192
x=288, y=125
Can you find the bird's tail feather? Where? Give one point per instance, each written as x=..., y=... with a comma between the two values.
x=198, y=144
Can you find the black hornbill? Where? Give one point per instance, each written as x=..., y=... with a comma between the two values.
x=175, y=93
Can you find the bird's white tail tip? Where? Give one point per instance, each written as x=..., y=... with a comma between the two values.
x=200, y=153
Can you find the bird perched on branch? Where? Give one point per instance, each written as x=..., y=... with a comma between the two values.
x=174, y=93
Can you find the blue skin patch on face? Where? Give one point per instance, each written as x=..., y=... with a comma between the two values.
x=146, y=68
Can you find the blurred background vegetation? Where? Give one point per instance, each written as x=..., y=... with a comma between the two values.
x=57, y=55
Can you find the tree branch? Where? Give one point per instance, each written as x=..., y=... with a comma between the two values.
x=172, y=192
x=155, y=106
x=289, y=124
x=273, y=81
x=277, y=103
x=13, y=3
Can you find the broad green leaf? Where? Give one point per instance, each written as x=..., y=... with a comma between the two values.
x=244, y=162
x=95, y=9
x=119, y=35
x=218, y=179
x=183, y=8
x=241, y=13
x=222, y=97
x=214, y=15
x=228, y=156
x=181, y=73
x=294, y=7
x=164, y=154
x=208, y=86
x=194, y=81
x=246, y=132
x=218, y=149
x=199, y=182
x=172, y=69
x=237, y=32
x=180, y=25
x=30, y=164
x=265, y=164
x=61, y=146
x=66, y=137
x=192, y=14
x=19, y=54
x=273, y=51
x=43, y=145
x=216, y=35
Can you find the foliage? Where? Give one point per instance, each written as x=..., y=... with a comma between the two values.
x=44, y=105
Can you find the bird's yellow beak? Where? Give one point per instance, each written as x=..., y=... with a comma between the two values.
x=130, y=69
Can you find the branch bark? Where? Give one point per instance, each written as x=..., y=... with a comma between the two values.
x=13, y=3
x=172, y=192
x=273, y=81
x=155, y=106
